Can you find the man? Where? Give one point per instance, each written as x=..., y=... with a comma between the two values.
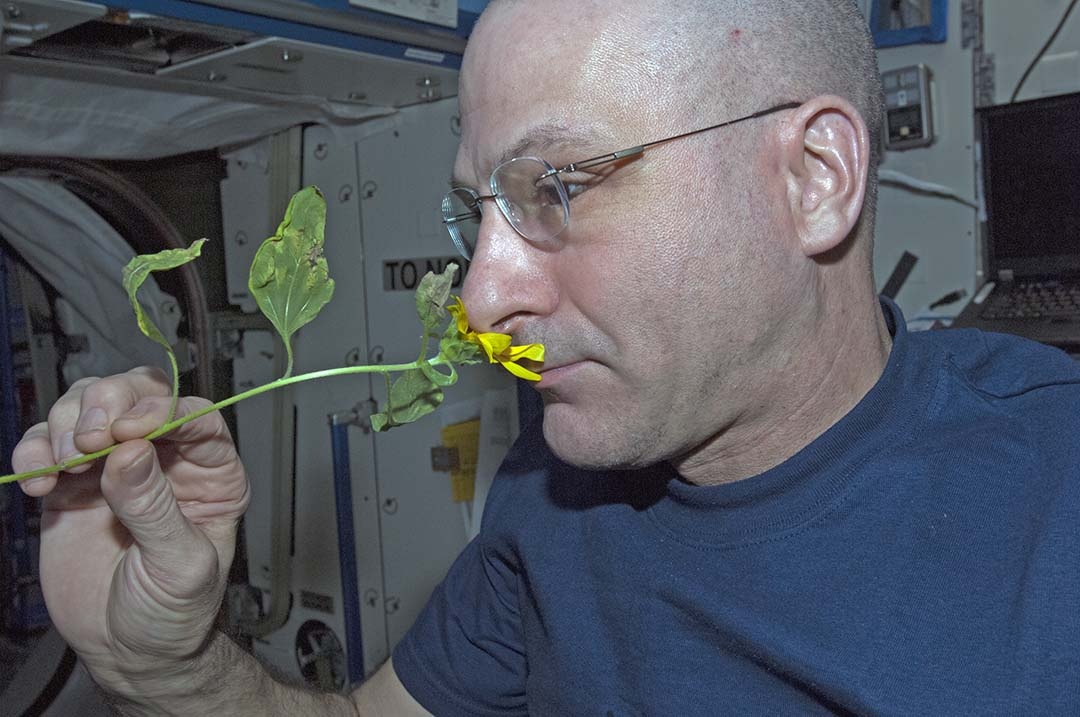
x=754, y=490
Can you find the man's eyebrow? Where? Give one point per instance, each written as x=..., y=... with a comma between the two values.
x=542, y=138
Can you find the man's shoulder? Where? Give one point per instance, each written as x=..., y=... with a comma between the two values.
x=520, y=490
x=1002, y=366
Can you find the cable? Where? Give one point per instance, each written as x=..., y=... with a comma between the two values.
x=891, y=176
x=1053, y=36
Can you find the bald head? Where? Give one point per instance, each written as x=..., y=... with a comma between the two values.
x=693, y=63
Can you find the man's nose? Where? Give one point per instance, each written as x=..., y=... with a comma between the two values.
x=509, y=279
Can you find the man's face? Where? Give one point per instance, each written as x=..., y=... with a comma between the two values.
x=652, y=303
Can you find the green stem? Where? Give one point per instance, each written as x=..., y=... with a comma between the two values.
x=288, y=352
x=174, y=424
x=423, y=345
x=175, y=387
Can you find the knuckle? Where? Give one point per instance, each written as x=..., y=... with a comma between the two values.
x=152, y=374
x=202, y=571
x=81, y=384
x=111, y=391
x=64, y=411
x=34, y=446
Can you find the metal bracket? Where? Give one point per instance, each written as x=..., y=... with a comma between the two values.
x=985, y=89
x=23, y=22
x=359, y=415
x=227, y=328
x=970, y=23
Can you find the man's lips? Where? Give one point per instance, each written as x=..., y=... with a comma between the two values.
x=551, y=372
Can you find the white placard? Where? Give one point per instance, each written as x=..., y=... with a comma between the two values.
x=438, y=12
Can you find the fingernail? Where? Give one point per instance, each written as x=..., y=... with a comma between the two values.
x=31, y=482
x=67, y=446
x=93, y=420
x=138, y=471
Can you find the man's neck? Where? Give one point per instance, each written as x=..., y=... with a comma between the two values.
x=828, y=373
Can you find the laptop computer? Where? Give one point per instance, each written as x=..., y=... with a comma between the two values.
x=1031, y=182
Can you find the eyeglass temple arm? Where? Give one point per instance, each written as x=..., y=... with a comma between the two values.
x=634, y=151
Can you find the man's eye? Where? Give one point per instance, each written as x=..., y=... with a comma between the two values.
x=574, y=189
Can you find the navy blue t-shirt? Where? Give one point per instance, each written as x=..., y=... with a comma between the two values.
x=922, y=556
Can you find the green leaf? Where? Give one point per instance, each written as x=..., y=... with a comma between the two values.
x=380, y=422
x=456, y=349
x=432, y=295
x=437, y=377
x=289, y=277
x=137, y=271
x=413, y=396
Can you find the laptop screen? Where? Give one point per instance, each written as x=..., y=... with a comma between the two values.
x=1031, y=174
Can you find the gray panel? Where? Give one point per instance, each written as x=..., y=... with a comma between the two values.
x=941, y=232
x=338, y=337
x=405, y=173
x=290, y=67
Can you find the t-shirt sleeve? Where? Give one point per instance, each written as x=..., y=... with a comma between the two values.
x=465, y=653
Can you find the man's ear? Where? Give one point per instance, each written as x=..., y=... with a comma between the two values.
x=826, y=152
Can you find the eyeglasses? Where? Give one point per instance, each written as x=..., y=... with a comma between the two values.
x=533, y=198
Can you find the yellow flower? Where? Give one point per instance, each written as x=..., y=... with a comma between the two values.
x=497, y=346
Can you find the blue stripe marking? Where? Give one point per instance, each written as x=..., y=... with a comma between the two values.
x=468, y=12
x=936, y=32
x=268, y=26
x=350, y=589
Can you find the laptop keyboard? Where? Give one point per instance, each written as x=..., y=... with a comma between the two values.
x=1049, y=299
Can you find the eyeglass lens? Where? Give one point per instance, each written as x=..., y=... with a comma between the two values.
x=461, y=214
x=535, y=205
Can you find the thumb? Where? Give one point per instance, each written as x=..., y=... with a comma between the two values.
x=176, y=555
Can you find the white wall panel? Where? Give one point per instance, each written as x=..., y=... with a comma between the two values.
x=940, y=232
x=1016, y=31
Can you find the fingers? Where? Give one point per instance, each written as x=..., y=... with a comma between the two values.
x=178, y=558
x=78, y=423
x=105, y=400
x=205, y=441
x=34, y=451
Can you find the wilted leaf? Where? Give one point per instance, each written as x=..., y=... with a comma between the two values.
x=289, y=277
x=413, y=396
x=457, y=348
x=139, y=268
x=432, y=295
x=437, y=377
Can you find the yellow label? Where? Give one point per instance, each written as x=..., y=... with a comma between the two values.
x=465, y=437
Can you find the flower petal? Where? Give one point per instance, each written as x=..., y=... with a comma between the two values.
x=533, y=352
x=461, y=317
x=494, y=345
x=520, y=371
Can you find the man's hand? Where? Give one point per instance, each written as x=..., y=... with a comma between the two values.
x=135, y=550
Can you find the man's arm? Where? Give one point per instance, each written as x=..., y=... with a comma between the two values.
x=136, y=550
x=226, y=680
